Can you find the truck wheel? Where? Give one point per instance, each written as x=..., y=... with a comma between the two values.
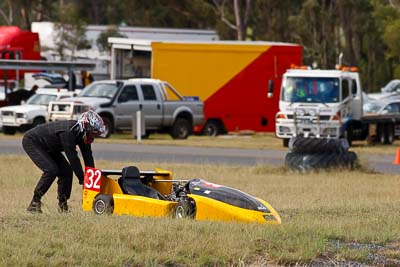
x=212, y=128
x=381, y=135
x=181, y=129
x=9, y=130
x=389, y=134
x=185, y=209
x=108, y=125
x=103, y=204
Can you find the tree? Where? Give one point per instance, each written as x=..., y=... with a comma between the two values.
x=70, y=32
x=241, y=11
x=22, y=12
x=102, y=40
x=316, y=30
x=274, y=20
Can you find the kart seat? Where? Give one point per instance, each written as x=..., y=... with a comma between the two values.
x=131, y=184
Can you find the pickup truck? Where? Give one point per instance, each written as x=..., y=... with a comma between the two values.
x=117, y=101
x=32, y=113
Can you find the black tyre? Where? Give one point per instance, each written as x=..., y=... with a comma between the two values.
x=317, y=145
x=321, y=161
x=181, y=129
x=108, y=125
x=348, y=134
x=306, y=162
x=185, y=209
x=293, y=161
x=212, y=128
x=389, y=134
x=9, y=130
x=285, y=142
x=103, y=204
x=351, y=159
x=38, y=121
x=381, y=135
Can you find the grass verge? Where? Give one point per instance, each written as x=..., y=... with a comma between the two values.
x=328, y=217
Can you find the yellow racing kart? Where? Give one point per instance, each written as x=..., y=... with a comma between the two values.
x=155, y=193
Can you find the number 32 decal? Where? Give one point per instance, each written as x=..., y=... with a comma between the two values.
x=92, y=179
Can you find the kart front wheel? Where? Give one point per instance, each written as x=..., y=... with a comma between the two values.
x=103, y=204
x=185, y=209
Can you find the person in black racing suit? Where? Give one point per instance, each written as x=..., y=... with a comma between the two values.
x=45, y=143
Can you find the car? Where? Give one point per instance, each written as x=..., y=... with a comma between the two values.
x=56, y=80
x=156, y=194
x=391, y=88
x=32, y=113
x=382, y=106
x=11, y=87
x=388, y=109
x=3, y=100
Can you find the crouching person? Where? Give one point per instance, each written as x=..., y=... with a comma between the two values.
x=45, y=143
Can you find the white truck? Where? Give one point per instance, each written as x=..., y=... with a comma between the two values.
x=328, y=104
x=32, y=113
x=117, y=102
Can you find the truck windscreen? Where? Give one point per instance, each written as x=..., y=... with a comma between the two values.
x=106, y=90
x=310, y=90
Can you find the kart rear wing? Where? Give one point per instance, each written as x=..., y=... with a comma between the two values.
x=144, y=174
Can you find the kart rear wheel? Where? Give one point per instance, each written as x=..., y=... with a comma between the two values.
x=103, y=204
x=185, y=209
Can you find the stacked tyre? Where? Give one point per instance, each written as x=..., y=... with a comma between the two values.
x=319, y=153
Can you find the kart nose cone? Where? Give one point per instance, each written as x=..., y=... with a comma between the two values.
x=272, y=218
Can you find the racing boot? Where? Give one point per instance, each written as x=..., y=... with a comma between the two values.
x=35, y=207
x=63, y=206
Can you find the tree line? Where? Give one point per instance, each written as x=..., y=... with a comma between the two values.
x=367, y=32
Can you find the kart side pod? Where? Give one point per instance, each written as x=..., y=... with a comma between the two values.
x=155, y=194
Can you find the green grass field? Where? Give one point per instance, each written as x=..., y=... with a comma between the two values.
x=334, y=217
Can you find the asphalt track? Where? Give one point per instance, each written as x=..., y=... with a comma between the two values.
x=199, y=155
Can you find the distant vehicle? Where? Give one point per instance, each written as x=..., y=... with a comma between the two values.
x=117, y=101
x=55, y=80
x=382, y=106
x=330, y=104
x=31, y=114
x=10, y=88
x=230, y=77
x=390, y=89
x=17, y=44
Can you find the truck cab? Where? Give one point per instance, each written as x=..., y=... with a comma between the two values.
x=320, y=103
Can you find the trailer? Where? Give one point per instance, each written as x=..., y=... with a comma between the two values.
x=230, y=77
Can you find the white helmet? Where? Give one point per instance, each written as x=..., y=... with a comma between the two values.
x=90, y=123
